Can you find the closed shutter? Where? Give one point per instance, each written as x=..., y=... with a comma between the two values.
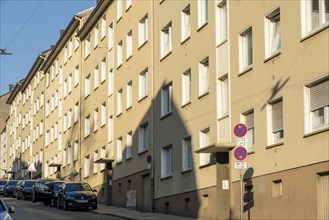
x=277, y=116
x=319, y=95
x=249, y=120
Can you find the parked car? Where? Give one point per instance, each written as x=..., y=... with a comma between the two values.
x=54, y=187
x=9, y=188
x=40, y=191
x=76, y=195
x=24, y=190
x=2, y=186
x=5, y=212
x=16, y=187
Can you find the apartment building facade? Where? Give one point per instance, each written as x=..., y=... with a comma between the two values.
x=138, y=98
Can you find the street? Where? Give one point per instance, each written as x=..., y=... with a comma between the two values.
x=25, y=210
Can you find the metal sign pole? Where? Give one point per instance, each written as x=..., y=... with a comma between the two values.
x=241, y=171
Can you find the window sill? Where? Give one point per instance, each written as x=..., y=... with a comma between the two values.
x=203, y=95
x=95, y=130
x=314, y=32
x=166, y=177
x=129, y=158
x=166, y=55
x=87, y=56
x=127, y=9
x=222, y=42
x=102, y=81
x=187, y=171
x=166, y=115
x=95, y=47
x=87, y=96
x=128, y=58
x=202, y=26
x=130, y=107
x=185, y=40
x=141, y=99
x=120, y=65
x=86, y=136
x=223, y=117
x=275, y=54
x=274, y=145
x=95, y=88
x=251, y=151
x=244, y=71
x=142, y=44
x=142, y=152
x=118, y=115
x=315, y=132
x=186, y=104
x=118, y=19
x=103, y=37
x=205, y=165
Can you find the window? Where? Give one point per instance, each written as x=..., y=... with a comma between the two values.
x=143, y=84
x=223, y=96
x=64, y=158
x=76, y=40
x=47, y=108
x=202, y=12
x=70, y=48
x=119, y=9
x=65, y=122
x=166, y=100
x=69, y=121
x=102, y=156
x=95, y=164
x=166, y=40
x=70, y=83
x=317, y=105
x=65, y=88
x=142, y=31
x=87, y=126
x=248, y=119
x=245, y=49
x=166, y=161
x=186, y=87
x=119, y=54
x=143, y=138
x=119, y=102
x=276, y=188
x=128, y=4
x=221, y=11
x=204, y=76
x=111, y=36
x=96, y=77
x=275, y=121
x=96, y=35
x=186, y=154
x=87, y=46
x=103, y=70
x=129, y=140
x=204, y=141
x=103, y=26
x=119, y=150
x=69, y=154
x=56, y=99
x=86, y=166
x=96, y=119
x=315, y=14
x=87, y=86
x=129, y=46
x=322, y=190
x=185, y=23
x=129, y=95
x=76, y=75
x=76, y=112
x=110, y=129
x=103, y=114
x=52, y=105
x=75, y=150
x=272, y=33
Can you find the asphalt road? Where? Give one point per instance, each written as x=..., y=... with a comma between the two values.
x=26, y=210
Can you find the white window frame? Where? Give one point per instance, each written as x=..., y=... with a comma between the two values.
x=143, y=31
x=95, y=119
x=272, y=25
x=96, y=77
x=86, y=166
x=221, y=27
x=75, y=150
x=274, y=122
x=87, y=86
x=87, y=126
x=103, y=70
x=187, y=161
x=166, y=100
x=119, y=9
x=111, y=36
x=95, y=168
x=76, y=112
x=247, y=118
x=76, y=75
x=143, y=138
x=245, y=50
x=316, y=90
x=119, y=54
x=185, y=23
x=87, y=46
x=223, y=96
x=203, y=13
x=143, y=84
x=129, y=141
x=204, y=75
x=119, y=102
x=186, y=87
x=103, y=114
x=204, y=141
x=96, y=35
x=119, y=150
x=103, y=27
x=166, y=161
x=166, y=40
x=129, y=99
x=128, y=4
x=129, y=45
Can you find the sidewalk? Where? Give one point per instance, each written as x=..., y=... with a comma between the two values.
x=134, y=215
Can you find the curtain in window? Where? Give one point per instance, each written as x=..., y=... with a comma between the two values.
x=276, y=33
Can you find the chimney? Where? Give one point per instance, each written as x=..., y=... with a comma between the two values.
x=11, y=87
x=61, y=32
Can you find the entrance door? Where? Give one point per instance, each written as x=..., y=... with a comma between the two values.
x=147, y=192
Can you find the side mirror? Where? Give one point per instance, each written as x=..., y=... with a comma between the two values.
x=11, y=209
x=94, y=190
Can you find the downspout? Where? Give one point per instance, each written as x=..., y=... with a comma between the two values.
x=152, y=113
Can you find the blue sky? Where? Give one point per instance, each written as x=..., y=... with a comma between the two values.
x=29, y=27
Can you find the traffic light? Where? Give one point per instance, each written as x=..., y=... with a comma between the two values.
x=248, y=196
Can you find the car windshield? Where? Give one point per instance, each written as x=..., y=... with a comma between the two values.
x=29, y=183
x=56, y=186
x=3, y=182
x=12, y=183
x=78, y=187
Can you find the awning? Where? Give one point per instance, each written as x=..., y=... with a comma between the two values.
x=215, y=148
x=55, y=165
x=104, y=160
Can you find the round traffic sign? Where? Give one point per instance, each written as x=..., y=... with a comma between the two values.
x=240, y=153
x=240, y=130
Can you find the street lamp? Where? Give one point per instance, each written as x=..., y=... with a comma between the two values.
x=3, y=52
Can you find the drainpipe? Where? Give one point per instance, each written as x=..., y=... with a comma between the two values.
x=152, y=113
